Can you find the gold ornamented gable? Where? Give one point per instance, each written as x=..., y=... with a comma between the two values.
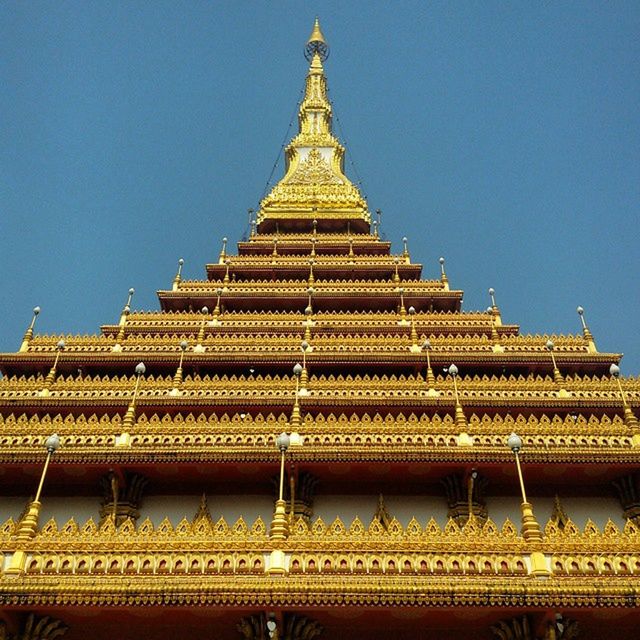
x=314, y=170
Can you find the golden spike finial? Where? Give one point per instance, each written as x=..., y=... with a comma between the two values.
x=51, y=376
x=223, y=252
x=558, y=378
x=405, y=250
x=316, y=44
x=29, y=332
x=531, y=531
x=414, y=333
x=126, y=310
x=124, y=439
x=585, y=331
x=464, y=439
x=443, y=275
x=402, y=312
x=431, y=379
x=629, y=417
x=178, y=378
x=178, y=279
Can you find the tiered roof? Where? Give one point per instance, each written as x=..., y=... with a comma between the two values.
x=376, y=388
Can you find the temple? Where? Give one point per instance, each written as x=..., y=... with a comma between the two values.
x=315, y=441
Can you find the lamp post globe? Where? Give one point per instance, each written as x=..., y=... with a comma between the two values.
x=52, y=443
x=283, y=441
x=514, y=441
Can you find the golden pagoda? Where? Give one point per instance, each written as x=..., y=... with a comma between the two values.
x=315, y=441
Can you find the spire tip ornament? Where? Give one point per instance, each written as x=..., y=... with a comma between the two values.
x=316, y=44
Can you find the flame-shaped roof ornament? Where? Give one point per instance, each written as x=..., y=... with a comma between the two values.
x=316, y=44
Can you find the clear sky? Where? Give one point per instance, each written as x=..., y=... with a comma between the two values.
x=502, y=135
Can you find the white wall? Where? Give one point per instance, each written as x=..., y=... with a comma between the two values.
x=326, y=506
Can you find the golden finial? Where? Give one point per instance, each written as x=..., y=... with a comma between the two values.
x=28, y=526
x=415, y=348
x=124, y=439
x=530, y=528
x=304, y=375
x=200, y=338
x=558, y=378
x=216, y=312
x=126, y=310
x=405, y=250
x=51, y=376
x=403, y=322
x=464, y=439
x=29, y=332
x=629, y=417
x=496, y=319
x=178, y=378
x=431, y=379
x=226, y=280
x=443, y=275
x=316, y=44
x=396, y=274
x=295, y=419
x=178, y=278
x=223, y=252
x=586, y=333
x=308, y=323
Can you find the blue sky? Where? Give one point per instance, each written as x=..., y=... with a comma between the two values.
x=504, y=136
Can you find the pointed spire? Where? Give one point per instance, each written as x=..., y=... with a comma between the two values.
x=405, y=250
x=178, y=279
x=126, y=310
x=591, y=345
x=314, y=184
x=29, y=332
x=431, y=379
x=496, y=321
x=178, y=378
x=51, y=376
x=464, y=439
x=414, y=348
x=316, y=44
x=295, y=421
x=223, y=252
x=402, y=312
x=558, y=378
x=124, y=439
x=629, y=417
x=304, y=376
x=200, y=338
